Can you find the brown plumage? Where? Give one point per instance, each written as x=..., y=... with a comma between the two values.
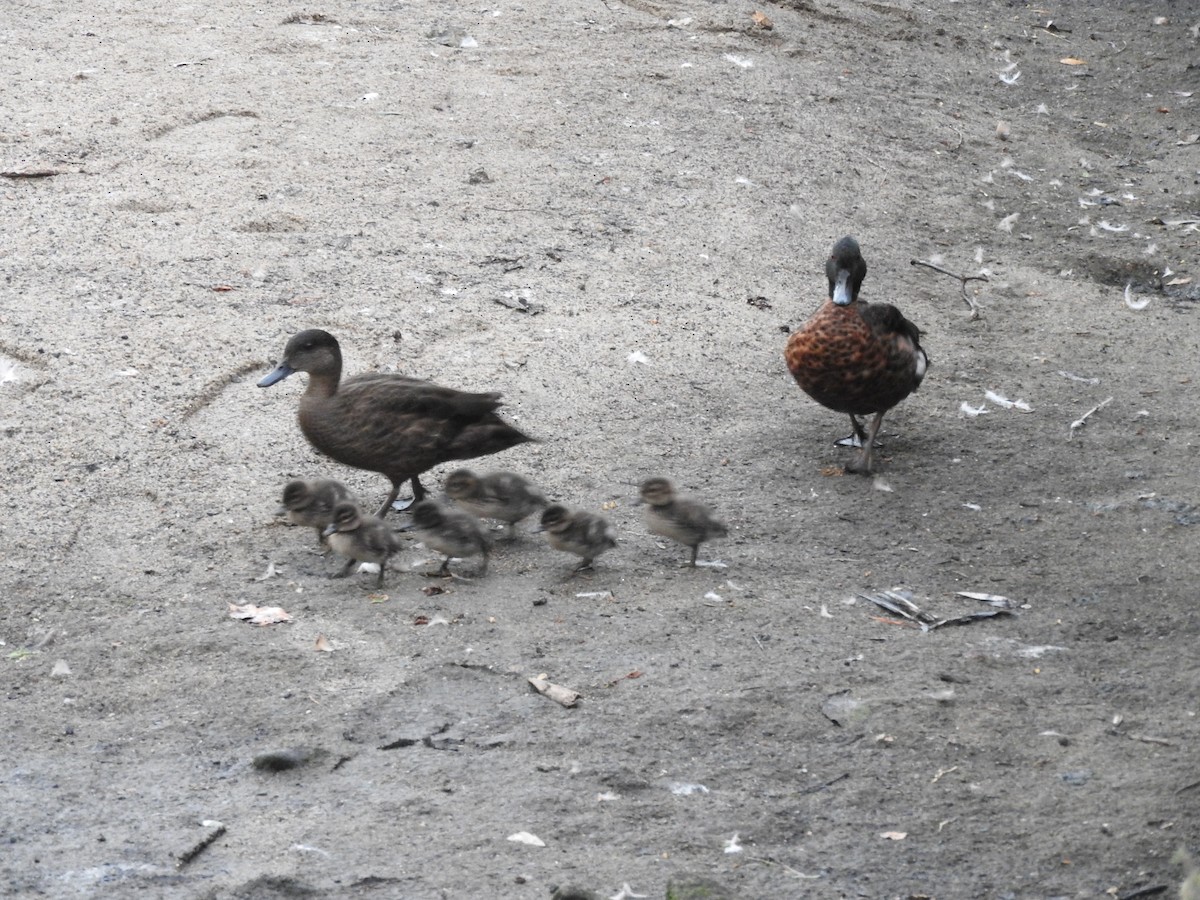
x=681, y=519
x=360, y=538
x=448, y=531
x=311, y=502
x=854, y=357
x=391, y=424
x=582, y=533
x=499, y=495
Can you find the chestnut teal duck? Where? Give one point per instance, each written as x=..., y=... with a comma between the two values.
x=505, y=496
x=360, y=538
x=391, y=424
x=681, y=519
x=582, y=533
x=855, y=357
x=311, y=502
x=448, y=531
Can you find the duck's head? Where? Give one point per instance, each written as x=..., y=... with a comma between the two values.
x=845, y=270
x=296, y=494
x=460, y=484
x=427, y=515
x=313, y=351
x=657, y=491
x=554, y=518
x=346, y=517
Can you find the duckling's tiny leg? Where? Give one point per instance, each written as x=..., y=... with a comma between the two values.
x=382, y=568
x=695, y=551
x=346, y=569
x=862, y=463
x=444, y=571
x=483, y=568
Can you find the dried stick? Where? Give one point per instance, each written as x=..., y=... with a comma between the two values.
x=199, y=847
x=1082, y=420
x=962, y=279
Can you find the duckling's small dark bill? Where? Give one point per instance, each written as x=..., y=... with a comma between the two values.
x=278, y=375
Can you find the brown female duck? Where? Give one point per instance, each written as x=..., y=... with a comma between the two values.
x=854, y=357
x=582, y=533
x=311, y=502
x=360, y=538
x=391, y=424
x=681, y=519
x=499, y=495
x=451, y=532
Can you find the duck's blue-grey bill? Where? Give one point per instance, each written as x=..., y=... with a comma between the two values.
x=278, y=375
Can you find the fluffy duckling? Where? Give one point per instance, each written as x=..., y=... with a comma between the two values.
x=855, y=357
x=360, y=538
x=689, y=522
x=450, y=532
x=391, y=424
x=311, y=502
x=501, y=495
x=582, y=533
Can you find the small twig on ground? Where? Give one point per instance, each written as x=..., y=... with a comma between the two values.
x=199, y=847
x=771, y=862
x=214, y=389
x=962, y=279
x=814, y=788
x=1082, y=420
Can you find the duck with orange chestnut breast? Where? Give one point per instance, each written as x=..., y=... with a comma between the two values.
x=855, y=357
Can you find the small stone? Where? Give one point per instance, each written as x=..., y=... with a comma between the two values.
x=283, y=760
x=573, y=892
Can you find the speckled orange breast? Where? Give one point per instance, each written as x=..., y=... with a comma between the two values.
x=849, y=365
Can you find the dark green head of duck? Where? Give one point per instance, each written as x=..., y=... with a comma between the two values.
x=845, y=270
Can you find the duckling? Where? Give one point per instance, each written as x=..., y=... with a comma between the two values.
x=360, y=538
x=448, y=531
x=687, y=521
x=855, y=357
x=391, y=424
x=582, y=533
x=500, y=495
x=311, y=503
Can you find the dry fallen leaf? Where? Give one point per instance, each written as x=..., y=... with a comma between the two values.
x=524, y=837
x=258, y=615
x=762, y=21
x=322, y=644
x=1072, y=61
x=1177, y=281
x=557, y=693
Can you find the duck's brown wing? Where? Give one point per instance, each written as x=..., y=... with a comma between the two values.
x=402, y=426
x=884, y=319
x=399, y=395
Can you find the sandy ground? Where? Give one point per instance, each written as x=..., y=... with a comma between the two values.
x=612, y=212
